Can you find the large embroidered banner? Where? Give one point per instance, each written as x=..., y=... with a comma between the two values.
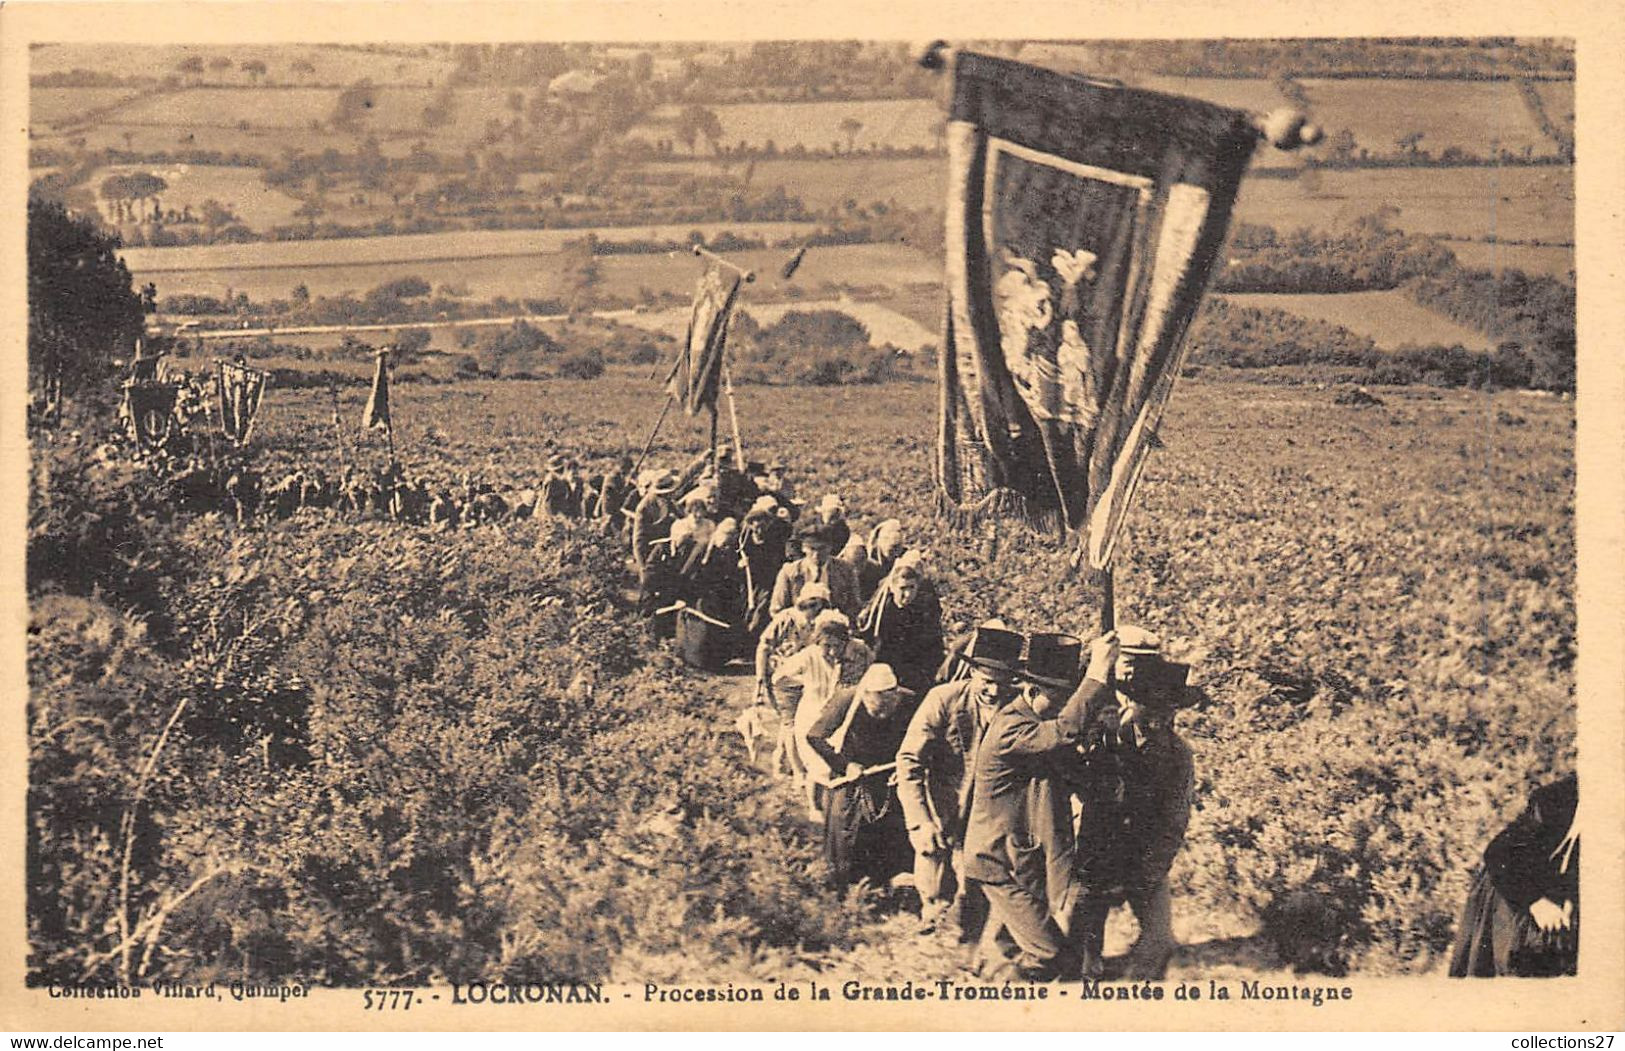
x=1083, y=220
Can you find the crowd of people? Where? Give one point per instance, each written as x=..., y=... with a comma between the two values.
x=1024, y=783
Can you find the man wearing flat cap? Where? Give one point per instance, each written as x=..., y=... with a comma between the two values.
x=1136, y=791
x=935, y=764
x=655, y=513
x=857, y=735
x=764, y=533
x=817, y=564
x=1018, y=839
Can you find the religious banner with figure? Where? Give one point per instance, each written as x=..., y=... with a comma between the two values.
x=1083, y=220
x=697, y=373
x=241, y=388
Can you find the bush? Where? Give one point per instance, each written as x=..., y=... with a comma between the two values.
x=582, y=364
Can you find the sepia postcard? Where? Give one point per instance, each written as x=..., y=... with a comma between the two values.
x=717, y=516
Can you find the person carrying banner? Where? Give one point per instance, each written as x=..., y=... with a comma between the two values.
x=935, y=764
x=1135, y=791
x=857, y=735
x=1018, y=836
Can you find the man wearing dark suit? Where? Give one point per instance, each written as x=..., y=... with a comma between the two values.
x=1020, y=815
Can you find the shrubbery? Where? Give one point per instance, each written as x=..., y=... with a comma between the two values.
x=361, y=753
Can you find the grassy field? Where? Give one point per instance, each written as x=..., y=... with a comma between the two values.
x=239, y=189
x=509, y=266
x=1265, y=612
x=1558, y=98
x=329, y=64
x=1520, y=203
x=1377, y=604
x=1389, y=319
x=1467, y=114
x=1531, y=259
x=900, y=123
x=61, y=105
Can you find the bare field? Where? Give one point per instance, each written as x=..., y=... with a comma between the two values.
x=60, y=105
x=1558, y=98
x=1389, y=319
x=459, y=244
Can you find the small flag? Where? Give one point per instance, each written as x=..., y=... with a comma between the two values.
x=1083, y=221
x=241, y=388
x=377, y=411
x=695, y=377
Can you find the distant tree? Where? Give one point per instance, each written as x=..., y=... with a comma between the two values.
x=581, y=271
x=219, y=62
x=300, y=295
x=82, y=311
x=850, y=126
x=411, y=342
x=215, y=215
x=255, y=69
x=1409, y=143
x=354, y=103
x=697, y=122
x=192, y=64
x=137, y=186
x=409, y=287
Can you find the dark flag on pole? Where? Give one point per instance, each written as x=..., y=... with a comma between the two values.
x=697, y=374
x=151, y=411
x=377, y=411
x=241, y=388
x=1083, y=220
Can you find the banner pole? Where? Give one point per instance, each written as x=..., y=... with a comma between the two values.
x=651, y=442
x=733, y=417
x=1108, y=601
x=713, y=452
